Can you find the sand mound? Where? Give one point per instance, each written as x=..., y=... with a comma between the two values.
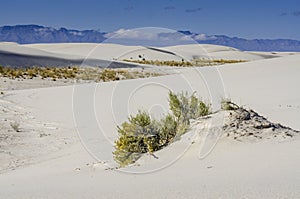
x=248, y=125
x=206, y=51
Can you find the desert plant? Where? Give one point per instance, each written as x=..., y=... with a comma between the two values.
x=168, y=130
x=141, y=134
x=186, y=107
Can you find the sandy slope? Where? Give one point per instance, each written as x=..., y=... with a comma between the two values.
x=115, y=51
x=79, y=167
x=112, y=55
x=15, y=55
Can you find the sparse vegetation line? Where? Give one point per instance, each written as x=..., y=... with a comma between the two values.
x=83, y=73
x=183, y=63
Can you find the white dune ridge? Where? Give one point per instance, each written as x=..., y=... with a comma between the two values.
x=116, y=52
x=67, y=133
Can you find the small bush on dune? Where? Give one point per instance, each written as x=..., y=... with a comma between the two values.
x=168, y=130
x=186, y=107
x=141, y=134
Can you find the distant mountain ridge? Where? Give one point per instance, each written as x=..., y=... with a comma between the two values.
x=28, y=34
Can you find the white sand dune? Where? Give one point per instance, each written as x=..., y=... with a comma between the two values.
x=112, y=55
x=207, y=51
x=106, y=51
x=74, y=160
x=119, y=52
x=15, y=55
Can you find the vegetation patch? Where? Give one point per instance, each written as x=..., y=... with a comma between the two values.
x=183, y=63
x=82, y=73
x=161, y=63
x=214, y=62
x=142, y=134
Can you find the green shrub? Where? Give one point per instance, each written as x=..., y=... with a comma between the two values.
x=141, y=134
x=186, y=107
x=168, y=130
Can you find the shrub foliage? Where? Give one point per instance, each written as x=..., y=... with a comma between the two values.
x=142, y=134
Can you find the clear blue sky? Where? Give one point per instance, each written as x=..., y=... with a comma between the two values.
x=241, y=18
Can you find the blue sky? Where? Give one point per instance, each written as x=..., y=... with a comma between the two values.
x=240, y=18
